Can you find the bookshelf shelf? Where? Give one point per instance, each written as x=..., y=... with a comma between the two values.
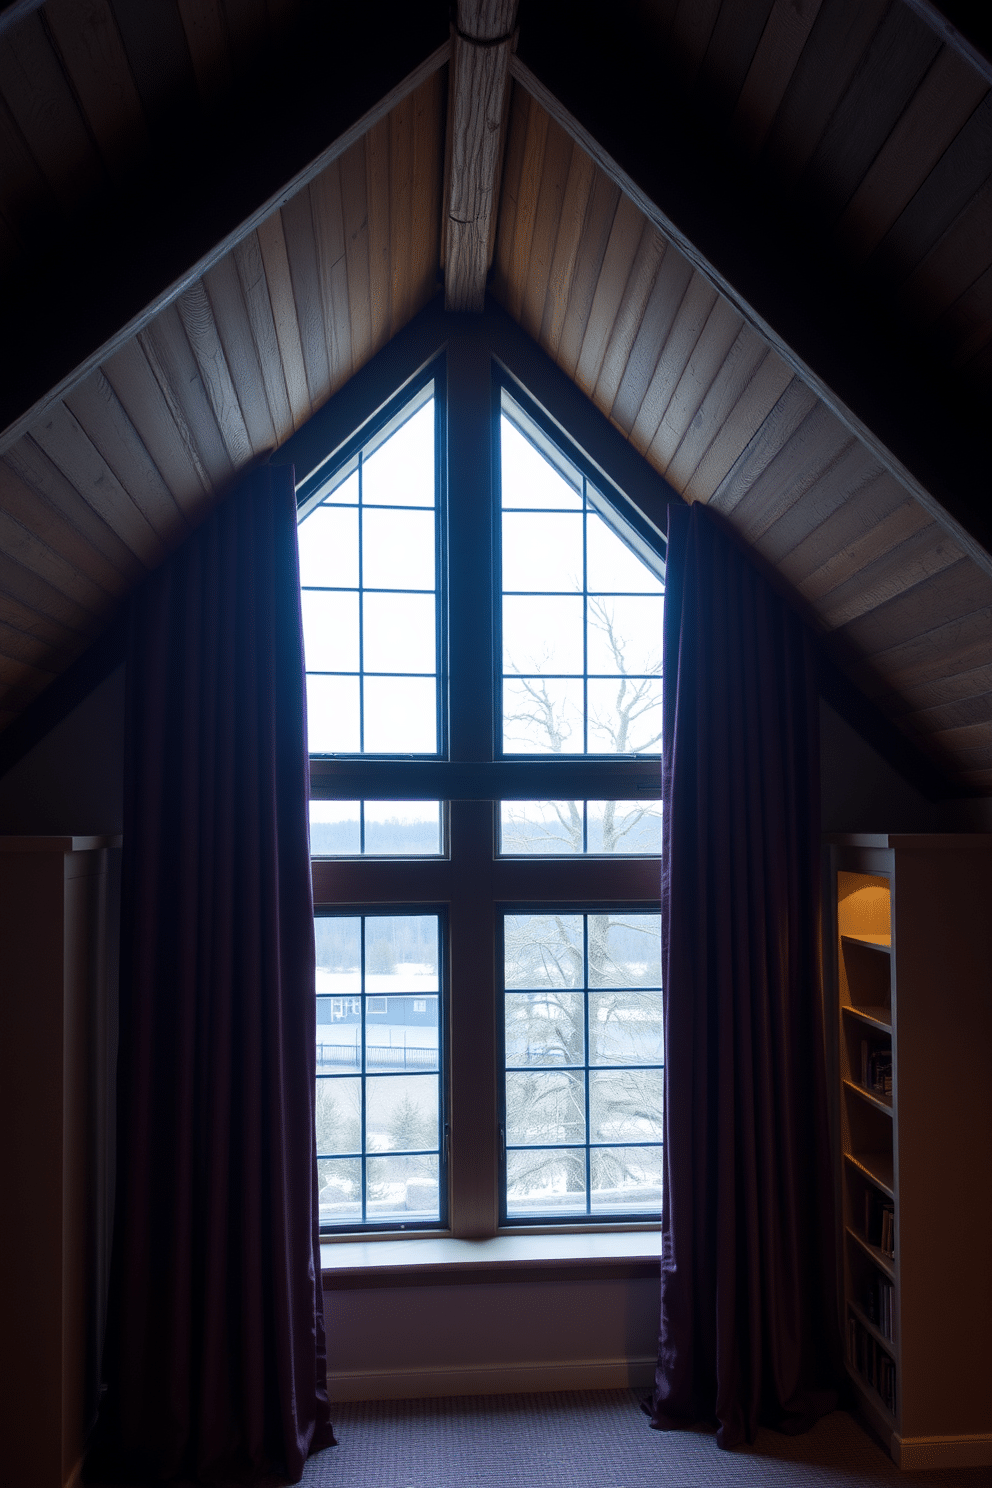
x=873, y=1097
x=910, y=953
x=877, y=1017
x=885, y=1263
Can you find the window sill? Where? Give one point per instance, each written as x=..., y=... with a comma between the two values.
x=441, y=1261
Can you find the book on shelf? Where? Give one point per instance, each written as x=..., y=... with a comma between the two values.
x=880, y=1229
x=868, y=1358
x=878, y=1305
x=876, y=1068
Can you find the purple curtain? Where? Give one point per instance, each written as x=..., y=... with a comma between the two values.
x=215, y=1358
x=748, y=1324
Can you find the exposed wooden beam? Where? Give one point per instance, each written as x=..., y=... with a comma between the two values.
x=106, y=278
x=767, y=262
x=481, y=42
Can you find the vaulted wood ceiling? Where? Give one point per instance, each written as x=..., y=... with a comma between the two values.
x=860, y=130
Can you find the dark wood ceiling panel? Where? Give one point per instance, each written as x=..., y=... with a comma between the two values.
x=671, y=354
x=767, y=81
x=97, y=68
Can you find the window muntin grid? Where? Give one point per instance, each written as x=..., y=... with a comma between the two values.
x=580, y=828
x=379, y=1095
x=583, y=1064
x=376, y=829
x=369, y=590
x=581, y=614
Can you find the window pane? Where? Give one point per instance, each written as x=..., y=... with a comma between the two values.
x=401, y=953
x=625, y=950
x=544, y=1028
x=544, y=1108
x=403, y=828
x=401, y=1113
x=335, y=829
x=528, y=827
x=624, y=716
x=330, y=630
x=546, y=1182
x=542, y=634
x=542, y=951
x=398, y=549
x=401, y=472
x=625, y=1105
x=528, y=478
x=542, y=715
x=626, y=1179
x=399, y=633
x=612, y=567
x=338, y=1116
x=333, y=725
x=626, y=1028
x=400, y=715
x=624, y=827
x=339, y=1181
x=542, y=552
x=328, y=540
x=339, y=1030
x=403, y=1188
x=624, y=634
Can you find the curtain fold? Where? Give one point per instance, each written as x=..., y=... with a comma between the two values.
x=748, y=1323
x=215, y=1357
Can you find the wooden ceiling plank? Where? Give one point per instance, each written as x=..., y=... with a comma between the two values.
x=196, y=314
x=966, y=326
x=604, y=201
x=258, y=307
x=170, y=356
x=21, y=677
x=757, y=402
x=68, y=446
x=425, y=248
x=206, y=37
x=527, y=201
x=734, y=376
x=651, y=342
x=479, y=74
x=718, y=335
x=625, y=237
x=401, y=192
x=782, y=42
x=19, y=645
x=961, y=714
x=96, y=408
x=22, y=546
x=895, y=64
x=955, y=262
x=859, y=512
x=354, y=208
x=63, y=638
x=969, y=746
x=692, y=314
x=248, y=32
x=547, y=218
x=42, y=104
x=28, y=506
x=39, y=473
x=380, y=278
x=93, y=56
x=636, y=294
x=301, y=251
x=691, y=32
x=232, y=325
x=328, y=221
x=907, y=564
x=34, y=594
x=275, y=261
x=160, y=425
x=738, y=30
x=942, y=105
x=793, y=406
x=575, y=204
x=160, y=61
x=819, y=442
x=25, y=195
x=962, y=688
x=957, y=646
x=960, y=172
x=513, y=159
x=957, y=591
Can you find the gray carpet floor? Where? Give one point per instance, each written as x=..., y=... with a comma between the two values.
x=589, y=1439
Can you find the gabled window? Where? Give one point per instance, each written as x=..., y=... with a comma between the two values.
x=482, y=616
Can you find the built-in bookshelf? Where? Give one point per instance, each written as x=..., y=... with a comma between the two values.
x=911, y=954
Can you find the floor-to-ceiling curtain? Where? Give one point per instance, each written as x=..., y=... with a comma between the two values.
x=215, y=1359
x=748, y=1322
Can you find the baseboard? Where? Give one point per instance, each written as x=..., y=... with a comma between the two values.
x=913, y=1452
x=491, y=1379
